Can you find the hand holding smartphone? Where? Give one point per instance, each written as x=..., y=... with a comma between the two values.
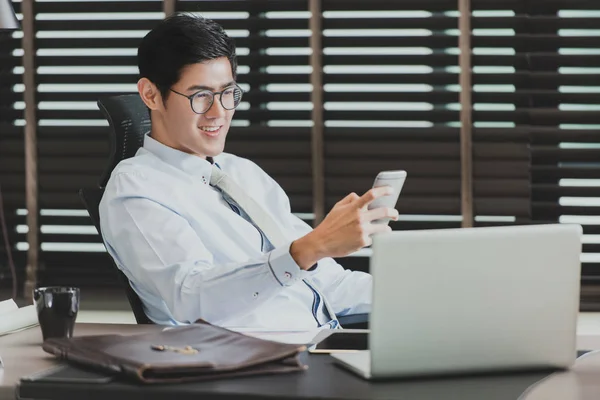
x=336, y=235
x=394, y=179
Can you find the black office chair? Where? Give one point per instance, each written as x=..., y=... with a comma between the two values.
x=129, y=121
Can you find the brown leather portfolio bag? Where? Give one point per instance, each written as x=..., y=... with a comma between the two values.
x=180, y=354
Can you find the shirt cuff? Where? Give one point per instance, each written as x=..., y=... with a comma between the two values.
x=285, y=270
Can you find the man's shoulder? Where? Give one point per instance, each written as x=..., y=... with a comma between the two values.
x=140, y=165
x=139, y=175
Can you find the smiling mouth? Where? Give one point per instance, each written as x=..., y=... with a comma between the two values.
x=210, y=130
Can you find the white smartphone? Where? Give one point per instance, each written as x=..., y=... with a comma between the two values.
x=394, y=179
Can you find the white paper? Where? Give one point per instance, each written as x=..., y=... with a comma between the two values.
x=7, y=306
x=18, y=319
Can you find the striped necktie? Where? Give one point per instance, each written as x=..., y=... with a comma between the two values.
x=255, y=211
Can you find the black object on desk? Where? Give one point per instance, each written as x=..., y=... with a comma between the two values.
x=57, y=308
x=323, y=380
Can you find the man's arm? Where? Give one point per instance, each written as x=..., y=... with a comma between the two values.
x=164, y=255
x=348, y=292
x=347, y=228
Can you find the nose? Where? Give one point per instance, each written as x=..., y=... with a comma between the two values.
x=216, y=110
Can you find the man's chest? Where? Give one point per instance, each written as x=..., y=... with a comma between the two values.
x=219, y=222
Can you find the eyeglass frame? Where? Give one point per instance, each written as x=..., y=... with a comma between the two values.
x=191, y=98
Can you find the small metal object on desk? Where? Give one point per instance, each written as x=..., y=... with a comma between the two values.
x=180, y=350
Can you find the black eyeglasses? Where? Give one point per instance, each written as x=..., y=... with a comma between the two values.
x=202, y=101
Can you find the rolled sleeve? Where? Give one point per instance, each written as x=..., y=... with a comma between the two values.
x=285, y=270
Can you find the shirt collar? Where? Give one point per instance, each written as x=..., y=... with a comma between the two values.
x=191, y=164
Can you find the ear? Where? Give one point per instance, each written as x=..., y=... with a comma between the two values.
x=150, y=94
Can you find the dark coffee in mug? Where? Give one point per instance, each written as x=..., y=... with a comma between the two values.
x=57, y=308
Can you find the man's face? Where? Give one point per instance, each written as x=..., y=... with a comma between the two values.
x=179, y=127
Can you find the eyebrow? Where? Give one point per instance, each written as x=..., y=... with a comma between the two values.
x=203, y=87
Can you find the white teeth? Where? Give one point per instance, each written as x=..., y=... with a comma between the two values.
x=210, y=128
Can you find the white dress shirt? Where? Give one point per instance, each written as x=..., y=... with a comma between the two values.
x=190, y=253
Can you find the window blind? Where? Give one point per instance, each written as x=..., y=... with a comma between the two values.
x=12, y=163
x=546, y=55
x=391, y=101
x=84, y=50
x=391, y=81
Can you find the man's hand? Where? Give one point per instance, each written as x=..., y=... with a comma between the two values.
x=347, y=228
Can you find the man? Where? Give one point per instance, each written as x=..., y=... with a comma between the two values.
x=205, y=234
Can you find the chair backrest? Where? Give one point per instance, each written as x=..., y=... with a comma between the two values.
x=129, y=121
x=91, y=199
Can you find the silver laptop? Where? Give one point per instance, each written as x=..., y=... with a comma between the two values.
x=472, y=300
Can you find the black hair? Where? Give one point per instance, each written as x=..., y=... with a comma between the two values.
x=178, y=41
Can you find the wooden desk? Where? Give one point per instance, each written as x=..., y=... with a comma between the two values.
x=23, y=355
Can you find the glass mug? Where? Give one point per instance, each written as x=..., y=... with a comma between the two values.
x=57, y=308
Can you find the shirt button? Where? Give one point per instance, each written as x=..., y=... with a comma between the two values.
x=287, y=275
x=255, y=295
x=203, y=179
